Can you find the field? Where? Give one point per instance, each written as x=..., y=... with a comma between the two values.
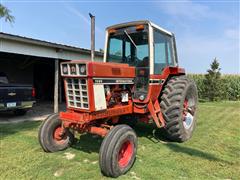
x=212, y=153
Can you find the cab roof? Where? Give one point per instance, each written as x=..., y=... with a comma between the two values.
x=132, y=23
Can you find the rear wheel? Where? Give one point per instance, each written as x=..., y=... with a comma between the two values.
x=118, y=151
x=179, y=103
x=52, y=136
x=20, y=112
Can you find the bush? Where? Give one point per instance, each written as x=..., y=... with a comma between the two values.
x=229, y=87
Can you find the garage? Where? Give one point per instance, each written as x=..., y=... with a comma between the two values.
x=36, y=62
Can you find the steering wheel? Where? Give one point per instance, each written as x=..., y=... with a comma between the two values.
x=129, y=60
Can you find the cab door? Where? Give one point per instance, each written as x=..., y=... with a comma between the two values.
x=163, y=51
x=162, y=58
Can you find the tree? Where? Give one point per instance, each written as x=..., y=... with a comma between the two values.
x=101, y=50
x=212, y=81
x=6, y=14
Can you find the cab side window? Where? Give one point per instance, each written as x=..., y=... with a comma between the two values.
x=115, y=50
x=163, y=51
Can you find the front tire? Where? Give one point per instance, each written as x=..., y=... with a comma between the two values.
x=52, y=137
x=179, y=103
x=118, y=151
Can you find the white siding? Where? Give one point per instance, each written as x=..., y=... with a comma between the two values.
x=11, y=46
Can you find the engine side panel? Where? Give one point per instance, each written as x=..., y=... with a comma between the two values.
x=99, y=97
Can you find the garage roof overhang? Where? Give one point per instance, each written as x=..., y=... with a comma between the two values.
x=27, y=46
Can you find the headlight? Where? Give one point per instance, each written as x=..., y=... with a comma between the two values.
x=82, y=69
x=65, y=69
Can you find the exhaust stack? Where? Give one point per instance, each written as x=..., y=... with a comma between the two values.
x=92, y=36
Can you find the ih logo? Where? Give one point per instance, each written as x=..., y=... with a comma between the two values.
x=12, y=94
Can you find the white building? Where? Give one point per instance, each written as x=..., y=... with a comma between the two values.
x=31, y=61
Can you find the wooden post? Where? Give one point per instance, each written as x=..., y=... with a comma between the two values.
x=60, y=89
x=56, y=80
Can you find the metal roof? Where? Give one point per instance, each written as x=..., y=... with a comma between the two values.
x=18, y=38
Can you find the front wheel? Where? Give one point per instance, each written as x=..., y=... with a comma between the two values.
x=52, y=136
x=118, y=151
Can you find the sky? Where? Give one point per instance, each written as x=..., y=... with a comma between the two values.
x=203, y=29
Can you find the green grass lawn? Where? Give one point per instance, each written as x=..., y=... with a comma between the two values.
x=212, y=153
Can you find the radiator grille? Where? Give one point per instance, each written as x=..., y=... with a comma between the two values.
x=77, y=93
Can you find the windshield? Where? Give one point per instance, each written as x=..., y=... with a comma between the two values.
x=3, y=78
x=129, y=45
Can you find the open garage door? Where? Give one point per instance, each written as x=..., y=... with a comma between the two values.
x=35, y=71
x=43, y=79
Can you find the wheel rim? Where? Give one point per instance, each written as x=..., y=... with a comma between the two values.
x=58, y=135
x=125, y=154
x=188, y=114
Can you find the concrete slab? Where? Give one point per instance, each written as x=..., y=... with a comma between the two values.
x=38, y=113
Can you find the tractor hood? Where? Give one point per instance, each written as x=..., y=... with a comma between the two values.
x=97, y=69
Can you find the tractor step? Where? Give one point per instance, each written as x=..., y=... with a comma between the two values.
x=156, y=114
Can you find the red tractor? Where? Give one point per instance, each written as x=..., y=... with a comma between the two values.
x=139, y=80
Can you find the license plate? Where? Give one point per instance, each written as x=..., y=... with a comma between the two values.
x=12, y=104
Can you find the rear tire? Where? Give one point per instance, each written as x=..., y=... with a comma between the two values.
x=118, y=151
x=178, y=104
x=50, y=137
x=20, y=112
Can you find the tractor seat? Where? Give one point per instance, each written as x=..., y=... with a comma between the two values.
x=144, y=62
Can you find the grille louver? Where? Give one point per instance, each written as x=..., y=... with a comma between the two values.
x=77, y=93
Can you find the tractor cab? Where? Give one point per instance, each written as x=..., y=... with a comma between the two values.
x=145, y=46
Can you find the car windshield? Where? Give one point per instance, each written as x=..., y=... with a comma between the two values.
x=3, y=78
x=129, y=45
